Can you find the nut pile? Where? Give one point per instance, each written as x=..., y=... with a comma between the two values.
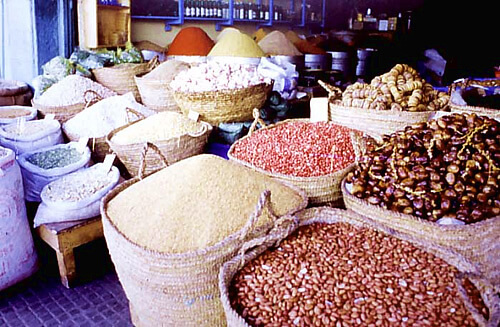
x=447, y=167
x=55, y=158
x=298, y=148
x=400, y=89
x=215, y=76
x=340, y=275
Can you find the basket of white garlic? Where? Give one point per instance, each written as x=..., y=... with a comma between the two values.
x=221, y=92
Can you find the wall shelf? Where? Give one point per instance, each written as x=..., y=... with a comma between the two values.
x=298, y=21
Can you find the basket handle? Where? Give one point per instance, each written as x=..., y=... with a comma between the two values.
x=492, y=301
x=257, y=120
x=334, y=92
x=283, y=226
x=203, y=130
x=153, y=63
x=136, y=113
x=142, y=166
x=95, y=97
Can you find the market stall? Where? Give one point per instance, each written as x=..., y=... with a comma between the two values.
x=384, y=213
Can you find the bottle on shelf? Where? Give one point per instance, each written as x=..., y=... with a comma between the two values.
x=225, y=10
x=220, y=9
x=369, y=21
x=187, y=8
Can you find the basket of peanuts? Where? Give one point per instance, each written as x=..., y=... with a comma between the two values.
x=221, y=92
x=332, y=267
x=389, y=102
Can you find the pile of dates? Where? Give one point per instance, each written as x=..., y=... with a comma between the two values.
x=446, y=167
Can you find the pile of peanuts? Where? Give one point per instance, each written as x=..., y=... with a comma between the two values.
x=340, y=275
x=400, y=89
x=447, y=167
x=298, y=148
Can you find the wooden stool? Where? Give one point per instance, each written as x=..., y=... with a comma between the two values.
x=64, y=237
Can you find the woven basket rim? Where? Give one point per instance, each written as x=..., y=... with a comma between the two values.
x=223, y=91
x=375, y=112
x=475, y=109
x=386, y=212
x=108, y=138
x=122, y=66
x=279, y=175
x=74, y=106
x=189, y=254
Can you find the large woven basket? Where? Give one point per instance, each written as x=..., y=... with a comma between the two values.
x=494, y=113
x=478, y=242
x=65, y=113
x=173, y=150
x=224, y=106
x=375, y=122
x=156, y=94
x=321, y=190
x=175, y=289
x=120, y=78
x=327, y=215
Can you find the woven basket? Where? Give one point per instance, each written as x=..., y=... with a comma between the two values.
x=494, y=113
x=65, y=113
x=331, y=216
x=375, y=122
x=120, y=78
x=224, y=106
x=175, y=289
x=478, y=242
x=156, y=94
x=173, y=150
x=321, y=190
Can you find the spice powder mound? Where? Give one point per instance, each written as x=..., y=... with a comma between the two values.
x=300, y=149
x=195, y=203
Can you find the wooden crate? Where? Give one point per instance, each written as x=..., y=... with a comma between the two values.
x=102, y=26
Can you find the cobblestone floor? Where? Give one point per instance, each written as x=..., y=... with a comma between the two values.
x=97, y=299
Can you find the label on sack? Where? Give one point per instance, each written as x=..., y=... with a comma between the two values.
x=319, y=109
x=22, y=124
x=82, y=143
x=193, y=115
x=108, y=162
x=50, y=116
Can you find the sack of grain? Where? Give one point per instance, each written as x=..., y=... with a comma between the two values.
x=76, y=196
x=18, y=259
x=41, y=166
x=31, y=135
x=176, y=137
x=12, y=114
x=338, y=269
x=168, y=234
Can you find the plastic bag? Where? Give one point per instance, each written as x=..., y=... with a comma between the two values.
x=284, y=75
x=58, y=67
x=35, y=178
x=50, y=135
x=18, y=259
x=66, y=210
x=41, y=83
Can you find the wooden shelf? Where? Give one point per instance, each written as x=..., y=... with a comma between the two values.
x=111, y=7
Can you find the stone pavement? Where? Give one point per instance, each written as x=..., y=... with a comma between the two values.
x=97, y=300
